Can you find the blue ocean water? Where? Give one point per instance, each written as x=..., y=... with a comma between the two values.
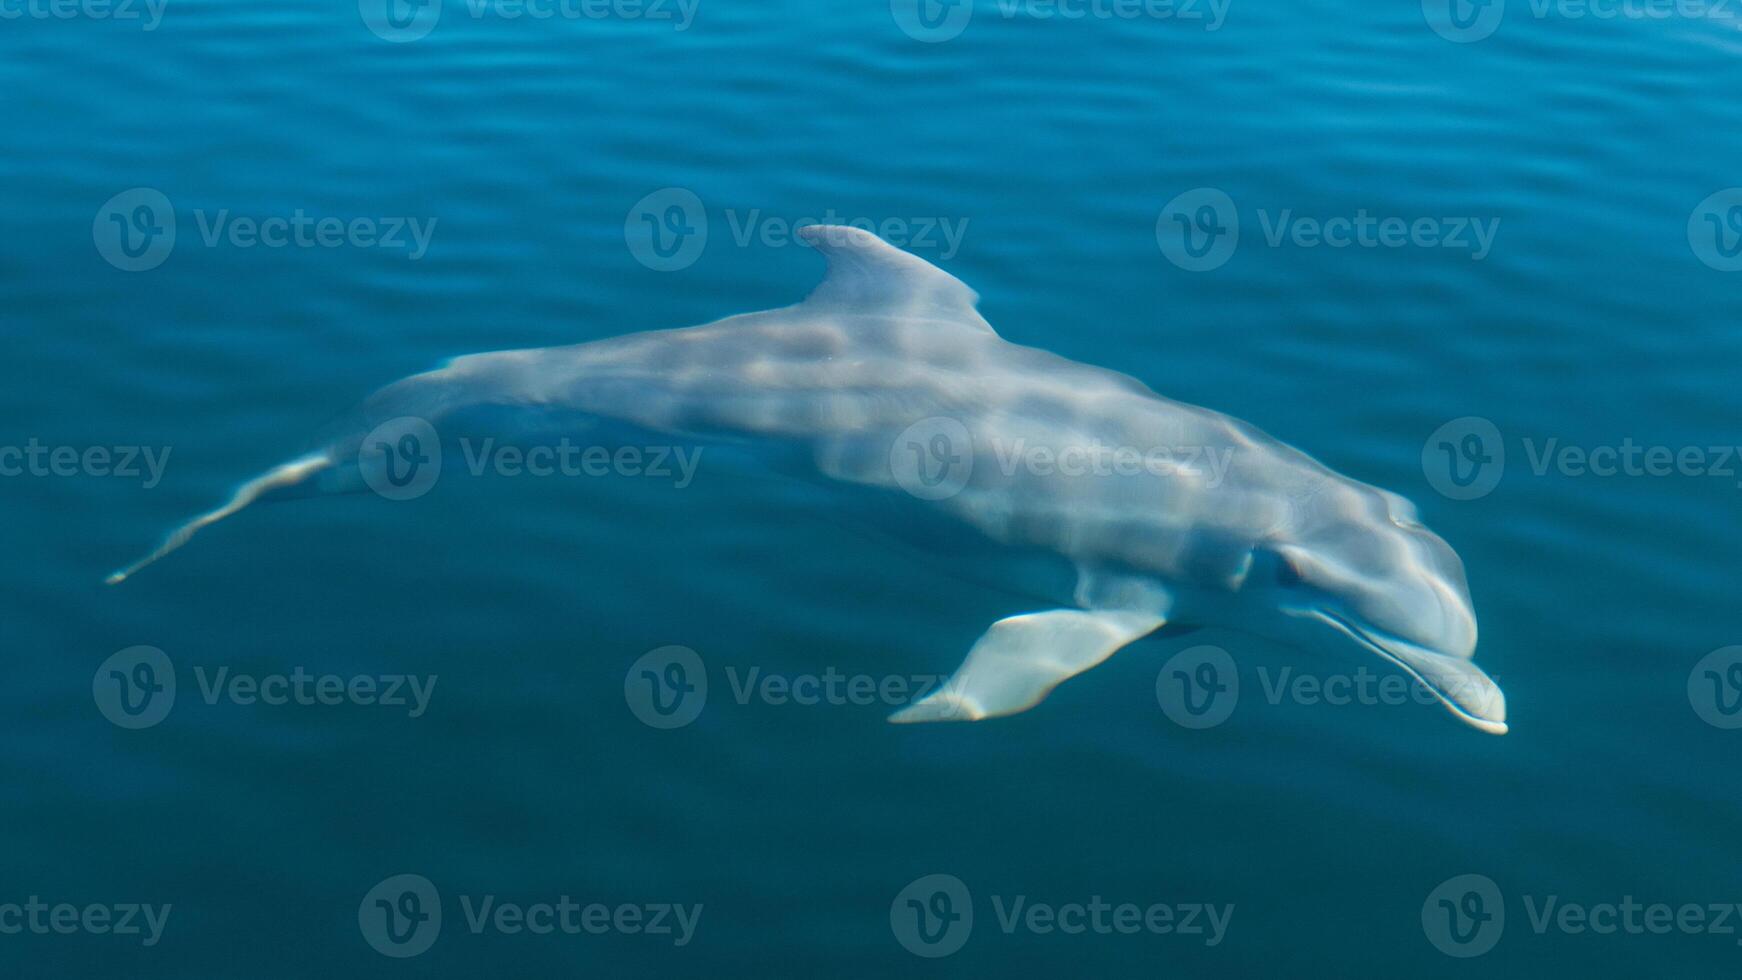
x=1061, y=161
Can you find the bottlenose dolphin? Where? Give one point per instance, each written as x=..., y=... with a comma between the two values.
x=887, y=379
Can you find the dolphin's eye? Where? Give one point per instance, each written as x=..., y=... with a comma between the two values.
x=1287, y=572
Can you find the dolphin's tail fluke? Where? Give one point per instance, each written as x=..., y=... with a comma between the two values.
x=279, y=477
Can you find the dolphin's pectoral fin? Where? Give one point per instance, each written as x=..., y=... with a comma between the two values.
x=1471, y=694
x=869, y=275
x=1021, y=659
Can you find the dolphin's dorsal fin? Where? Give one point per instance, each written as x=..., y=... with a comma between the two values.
x=869, y=275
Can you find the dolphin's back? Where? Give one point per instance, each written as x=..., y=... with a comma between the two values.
x=1190, y=491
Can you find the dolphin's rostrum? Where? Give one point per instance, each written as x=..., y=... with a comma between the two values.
x=887, y=379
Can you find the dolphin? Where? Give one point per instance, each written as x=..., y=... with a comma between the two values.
x=887, y=381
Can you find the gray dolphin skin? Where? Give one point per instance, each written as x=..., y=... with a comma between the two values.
x=886, y=381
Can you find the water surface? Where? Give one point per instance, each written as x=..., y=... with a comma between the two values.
x=1054, y=146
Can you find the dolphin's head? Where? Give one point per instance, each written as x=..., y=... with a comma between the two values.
x=1367, y=569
